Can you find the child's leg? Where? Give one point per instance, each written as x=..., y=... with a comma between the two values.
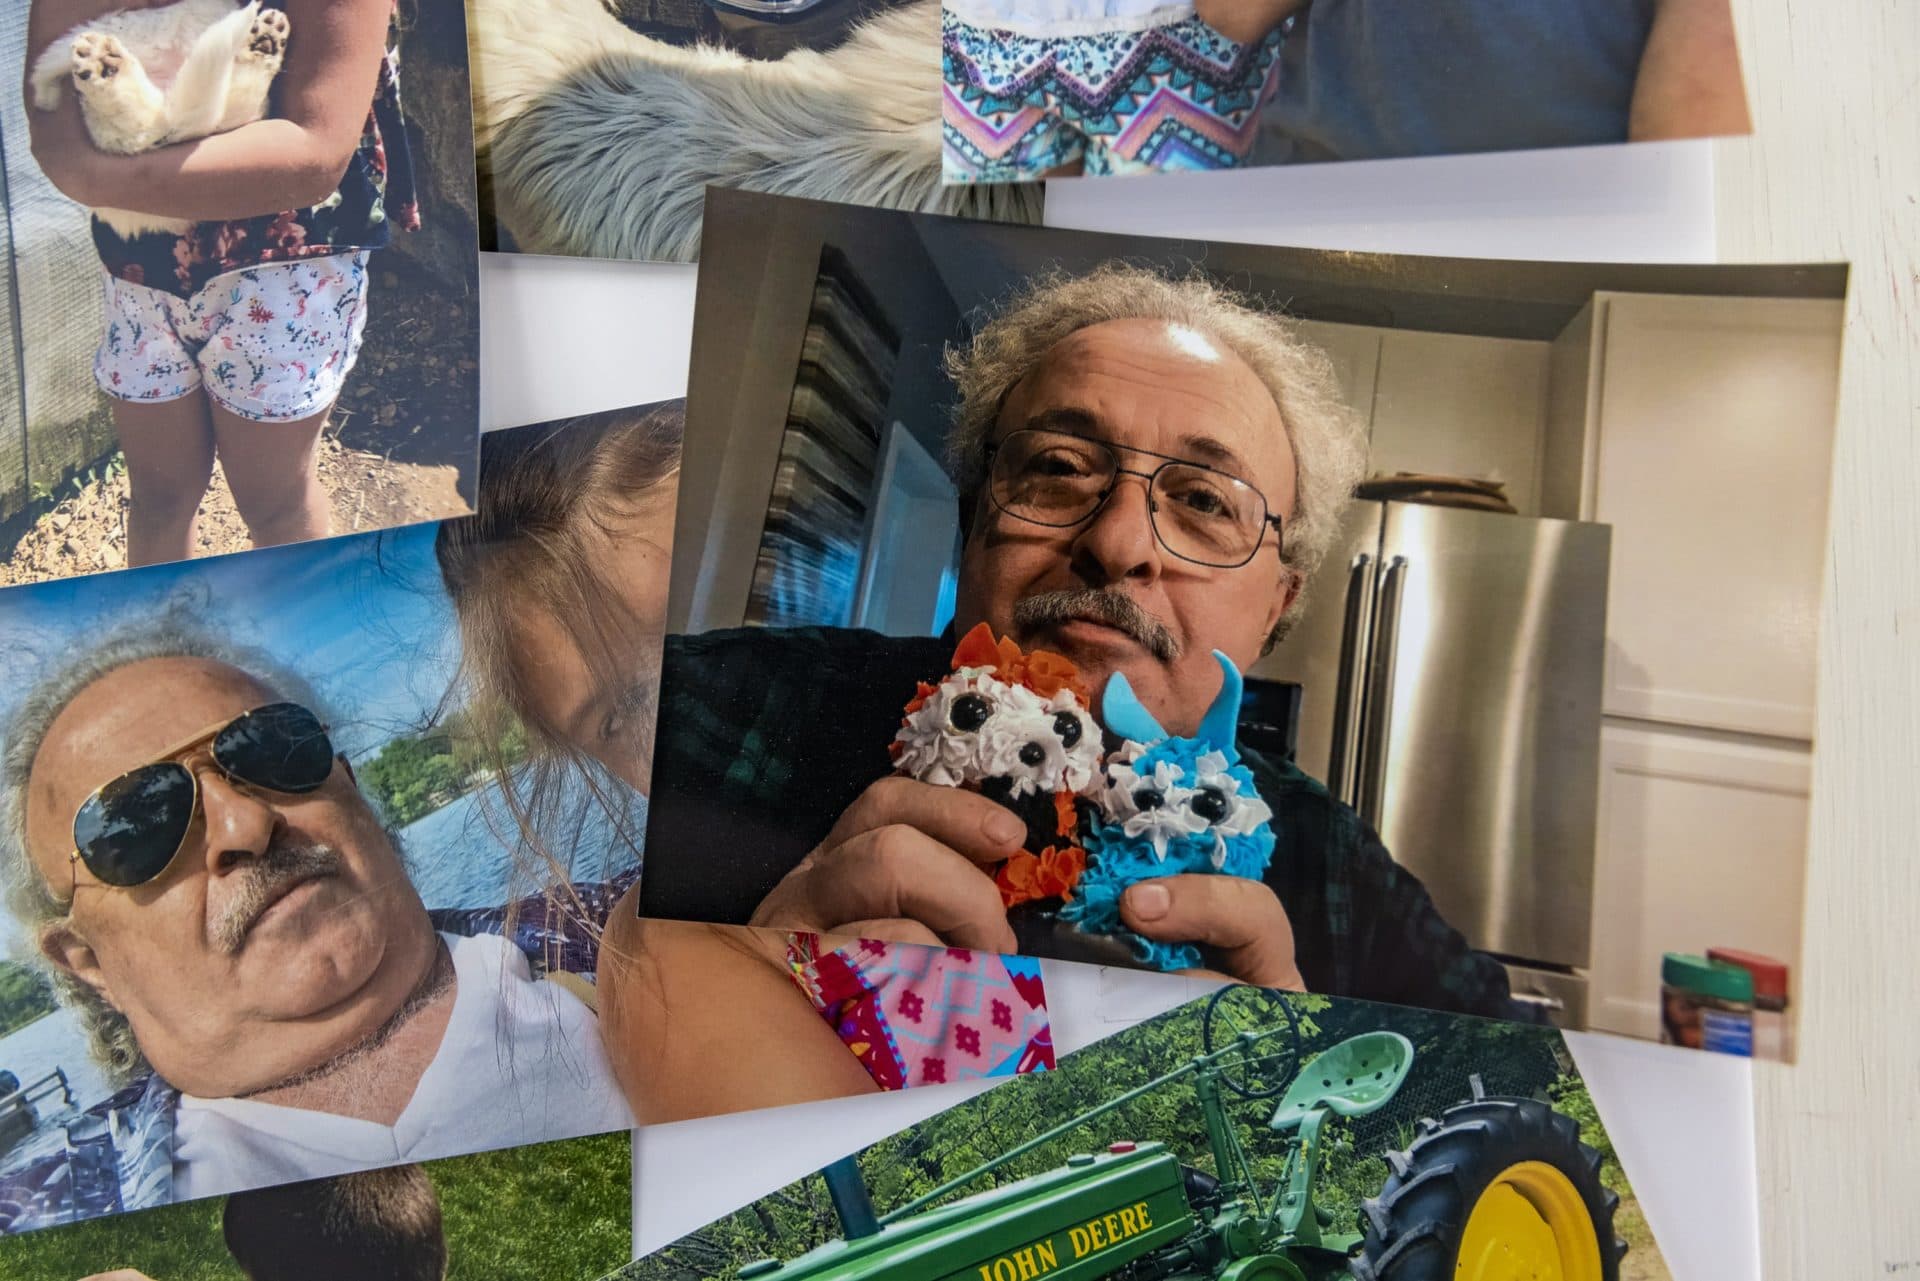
x=282, y=340
x=272, y=469
x=145, y=366
x=169, y=451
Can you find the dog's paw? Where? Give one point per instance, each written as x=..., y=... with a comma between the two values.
x=97, y=58
x=267, y=38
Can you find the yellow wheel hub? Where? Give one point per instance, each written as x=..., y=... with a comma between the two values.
x=1529, y=1225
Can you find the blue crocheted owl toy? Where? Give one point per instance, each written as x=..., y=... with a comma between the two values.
x=1169, y=806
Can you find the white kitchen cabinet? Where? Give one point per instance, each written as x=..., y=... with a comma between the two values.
x=1702, y=843
x=1355, y=353
x=1453, y=404
x=1461, y=405
x=1703, y=434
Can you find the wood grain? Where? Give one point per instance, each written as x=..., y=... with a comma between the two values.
x=1833, y=172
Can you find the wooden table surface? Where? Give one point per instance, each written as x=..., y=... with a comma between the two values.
x=1833, y=172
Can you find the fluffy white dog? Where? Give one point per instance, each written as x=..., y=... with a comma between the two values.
x=150, y=77
x=600, y=141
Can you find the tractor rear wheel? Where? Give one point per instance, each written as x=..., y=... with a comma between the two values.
x=1500, y=1189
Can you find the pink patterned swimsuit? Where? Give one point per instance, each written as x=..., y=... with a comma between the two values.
x=916, y=1015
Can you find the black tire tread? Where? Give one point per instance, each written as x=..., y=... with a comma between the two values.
x=1412, y=1229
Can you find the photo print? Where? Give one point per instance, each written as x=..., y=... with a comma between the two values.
x=309, y=854
x=600, y=125
x=240, y=260
x=1400, y=560
x=1249, y=1134
x=546, y=1210
x=1065, y=88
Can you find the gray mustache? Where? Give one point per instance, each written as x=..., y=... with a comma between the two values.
x=1114, y=609
x=284, y=865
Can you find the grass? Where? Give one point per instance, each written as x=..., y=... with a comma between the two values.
x=549, y=1212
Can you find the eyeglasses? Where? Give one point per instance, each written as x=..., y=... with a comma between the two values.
x=1060, y=480
x=131, y=828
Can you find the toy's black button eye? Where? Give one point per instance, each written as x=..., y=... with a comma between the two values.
x=1032, y=754
x=1067, y=726
x=969, y=712
x=1148, y=798
x=1211, y=804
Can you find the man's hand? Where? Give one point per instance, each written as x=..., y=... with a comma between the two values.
x=1240, y=921
x=907, y=863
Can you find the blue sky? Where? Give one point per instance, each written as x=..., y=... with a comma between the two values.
x=363, y=617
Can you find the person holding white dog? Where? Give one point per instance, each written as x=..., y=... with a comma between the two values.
x=241, y=162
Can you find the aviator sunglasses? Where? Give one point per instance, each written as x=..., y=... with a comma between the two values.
x=132, y=827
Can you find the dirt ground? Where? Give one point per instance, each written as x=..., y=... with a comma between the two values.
x=86, y=531
x=401, y=447
x=1643, y=1261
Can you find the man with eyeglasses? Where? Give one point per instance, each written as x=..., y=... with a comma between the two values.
x=1150, y=469
x=235, y=929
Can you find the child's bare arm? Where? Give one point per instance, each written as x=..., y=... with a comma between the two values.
x=48, y=134
x=1246, y=21
x=296, y=159
x=1689, y=84
x=702, y=1019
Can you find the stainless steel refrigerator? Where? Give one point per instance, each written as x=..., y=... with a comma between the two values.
x=1450, y=662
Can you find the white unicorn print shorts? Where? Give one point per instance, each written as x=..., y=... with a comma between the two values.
x=272, y=343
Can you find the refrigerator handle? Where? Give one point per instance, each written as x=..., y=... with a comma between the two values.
x=1347, y=699
x=1375, y=738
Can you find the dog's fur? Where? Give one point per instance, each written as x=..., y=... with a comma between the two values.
x=151, y=77
x=601, y=142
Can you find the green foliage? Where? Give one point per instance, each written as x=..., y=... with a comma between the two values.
x=1509, y=1058
x=1570, y=1096
x=416, y=775
x=24, y=996
x=549, y=1212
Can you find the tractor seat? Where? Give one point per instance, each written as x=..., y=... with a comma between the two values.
x=1350, y=1079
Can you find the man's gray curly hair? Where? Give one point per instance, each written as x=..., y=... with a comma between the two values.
x=1328, y=438
x=34, y=903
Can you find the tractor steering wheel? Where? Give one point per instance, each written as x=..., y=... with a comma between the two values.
x=1267, y=1063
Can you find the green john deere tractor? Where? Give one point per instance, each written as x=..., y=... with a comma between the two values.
x=1497, y=1189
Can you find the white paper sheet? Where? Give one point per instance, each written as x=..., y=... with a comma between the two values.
x=1645, y=202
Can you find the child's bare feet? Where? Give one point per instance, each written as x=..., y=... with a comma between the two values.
x=1246, y=21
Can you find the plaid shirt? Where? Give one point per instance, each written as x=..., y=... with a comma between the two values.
x=765, y=737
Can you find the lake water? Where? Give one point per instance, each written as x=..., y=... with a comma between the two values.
x=456, y=861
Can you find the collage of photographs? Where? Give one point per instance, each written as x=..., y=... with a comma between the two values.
x=1252, y=747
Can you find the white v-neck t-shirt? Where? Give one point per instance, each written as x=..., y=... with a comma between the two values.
x=521, y=1062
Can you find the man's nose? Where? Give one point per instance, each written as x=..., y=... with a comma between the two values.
x=239, y=824
x=1117, y=542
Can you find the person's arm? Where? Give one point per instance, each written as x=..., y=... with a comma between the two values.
x=700, y=1020
x=1246, y=21
x=324, y=90
x=1689, y=84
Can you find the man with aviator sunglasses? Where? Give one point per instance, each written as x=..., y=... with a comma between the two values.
x=1150, y=469
x=235, y=927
